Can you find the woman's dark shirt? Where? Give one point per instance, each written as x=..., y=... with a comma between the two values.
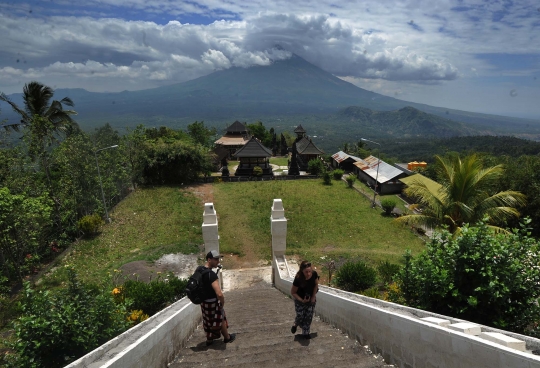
x=308, y=285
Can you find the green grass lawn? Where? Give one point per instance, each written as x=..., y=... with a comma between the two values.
x=332, y=221
x=147, y=224
x=280, y=161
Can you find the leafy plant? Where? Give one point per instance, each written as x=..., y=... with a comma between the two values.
x=154, y=296
x=388, y=205
x=355, y=276
x=327, y=178
x=479, y=275
x=90, y=224
x=373, y=292
x=350, y=180
x=315, y=167
x=257, y=171
x=337, y=173
x=56, y=328
x=387, y=271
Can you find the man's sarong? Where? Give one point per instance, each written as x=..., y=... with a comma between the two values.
x=213, y=318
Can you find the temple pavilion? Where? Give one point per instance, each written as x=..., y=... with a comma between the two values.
x=252, y=154
x=235, y=138
x=306, y=150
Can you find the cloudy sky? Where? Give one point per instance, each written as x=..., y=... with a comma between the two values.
x=476, y=55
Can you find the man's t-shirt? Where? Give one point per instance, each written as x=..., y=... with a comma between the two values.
x=208, y=279
x=308, y=285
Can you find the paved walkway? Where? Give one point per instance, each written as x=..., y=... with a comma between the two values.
x=262, y=316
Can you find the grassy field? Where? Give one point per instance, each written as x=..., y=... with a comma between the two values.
x=147, y=224
x=332, y=221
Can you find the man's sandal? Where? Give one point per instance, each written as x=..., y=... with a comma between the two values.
x=231, y=338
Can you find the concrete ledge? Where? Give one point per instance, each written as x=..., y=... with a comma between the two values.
x=499, y=338
x=400, y=335
x=152, y=343
x=467, y=328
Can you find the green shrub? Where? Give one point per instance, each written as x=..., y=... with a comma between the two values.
x=478, y=275
x=56, y=328
x=327, y=178
x=388, y=205
x=257, y=171
x=90, y=224
x=337, y=173
x=315, y=167
x=355, y=276
x=154, y=296
x=387, y=271
x=372, y=292
x=350, y=180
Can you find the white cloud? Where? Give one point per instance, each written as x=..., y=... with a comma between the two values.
x=411, y=41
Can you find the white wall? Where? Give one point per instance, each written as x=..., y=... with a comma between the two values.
x=398, y=334
x=152, y=343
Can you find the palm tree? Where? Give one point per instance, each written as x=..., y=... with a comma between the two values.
x=36, y=97
x=466, y=196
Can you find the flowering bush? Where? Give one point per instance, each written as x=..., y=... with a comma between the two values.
x=478, y=275
x=56, y=328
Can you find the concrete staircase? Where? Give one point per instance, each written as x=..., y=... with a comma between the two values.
x=261, y=317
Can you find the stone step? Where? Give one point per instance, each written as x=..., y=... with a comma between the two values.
x=262, y=317
x=284, y=356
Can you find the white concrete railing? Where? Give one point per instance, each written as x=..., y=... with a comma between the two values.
x=152, y=343
x=405, y=337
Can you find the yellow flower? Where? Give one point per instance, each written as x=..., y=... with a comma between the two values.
x=117, y=291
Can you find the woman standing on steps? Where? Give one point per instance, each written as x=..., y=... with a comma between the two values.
x=303, y=291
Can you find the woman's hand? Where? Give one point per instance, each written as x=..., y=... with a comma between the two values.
x=313, y=299
x=307, y=299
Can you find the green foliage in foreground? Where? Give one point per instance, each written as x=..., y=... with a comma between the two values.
x=480, y=276
x=355, y=276
x=59, y=327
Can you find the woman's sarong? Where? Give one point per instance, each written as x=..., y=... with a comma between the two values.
x=213, y=318
x=304, y=315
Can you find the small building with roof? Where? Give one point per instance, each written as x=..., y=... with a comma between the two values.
x=252, y=154
x=235, y=137
x=344, y=161
x=306, y=150
x=380, y=175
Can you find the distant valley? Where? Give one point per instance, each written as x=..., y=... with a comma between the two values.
x=283, y=95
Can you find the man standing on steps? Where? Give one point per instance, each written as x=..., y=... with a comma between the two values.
x=213, y=314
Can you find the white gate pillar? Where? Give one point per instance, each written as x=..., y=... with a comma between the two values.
x=210, y=228
x=279, y=228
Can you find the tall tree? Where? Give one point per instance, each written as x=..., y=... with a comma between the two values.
x=37, y=101
x=467, y=195
x=200, y=133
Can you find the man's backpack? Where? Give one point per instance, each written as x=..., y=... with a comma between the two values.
x=195, y=289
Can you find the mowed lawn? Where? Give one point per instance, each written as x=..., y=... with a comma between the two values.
x=332, y=221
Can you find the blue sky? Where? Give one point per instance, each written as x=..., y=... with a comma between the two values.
x=474, y=55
